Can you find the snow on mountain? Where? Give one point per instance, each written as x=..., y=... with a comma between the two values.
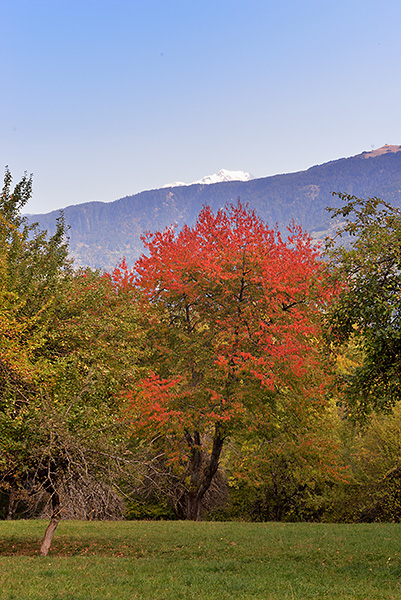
x=222, y=175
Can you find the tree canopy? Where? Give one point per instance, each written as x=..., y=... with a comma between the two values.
x=234, y=313
x=367, y=312
x=68, y=343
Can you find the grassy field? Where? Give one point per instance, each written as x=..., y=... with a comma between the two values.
x=200, y=561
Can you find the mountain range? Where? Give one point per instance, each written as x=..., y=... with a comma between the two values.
x=101, y=233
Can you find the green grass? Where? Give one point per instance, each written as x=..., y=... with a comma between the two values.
x=201, y=561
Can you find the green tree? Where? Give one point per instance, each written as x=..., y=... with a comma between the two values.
x=31, y=266
x=367, y=313
x=68, y=346
x=285, y=467
x=372, y=454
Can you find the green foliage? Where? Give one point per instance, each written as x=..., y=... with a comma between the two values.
x=31, y=266
x=367, y=312
x=286, y=470
x=374, y=451
x=71, y=432
x=151, y=509
x=68, y=346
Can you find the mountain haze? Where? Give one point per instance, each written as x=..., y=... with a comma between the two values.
x=102, y=233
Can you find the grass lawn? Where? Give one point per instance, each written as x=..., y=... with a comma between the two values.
x=200, y=561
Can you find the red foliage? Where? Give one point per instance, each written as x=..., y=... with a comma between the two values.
x=122, y=277
x=233, y=320
x=243, y=302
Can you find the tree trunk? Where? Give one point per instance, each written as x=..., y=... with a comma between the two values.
x=47, y=540
x=51, y=528
x=194, y=505
x=201, y=475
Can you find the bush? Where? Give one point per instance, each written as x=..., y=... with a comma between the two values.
x=149, y=510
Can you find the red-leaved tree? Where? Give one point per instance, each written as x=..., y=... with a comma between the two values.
x=233, y=322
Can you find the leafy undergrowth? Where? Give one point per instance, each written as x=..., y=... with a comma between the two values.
x=201, y=561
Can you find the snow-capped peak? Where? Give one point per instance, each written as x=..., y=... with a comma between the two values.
x=222, y=175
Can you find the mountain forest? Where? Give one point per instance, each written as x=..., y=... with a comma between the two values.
x=235, y=370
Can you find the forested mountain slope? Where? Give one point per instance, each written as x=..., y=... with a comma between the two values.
x=102, y=233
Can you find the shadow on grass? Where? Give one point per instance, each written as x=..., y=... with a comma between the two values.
x=66, y=547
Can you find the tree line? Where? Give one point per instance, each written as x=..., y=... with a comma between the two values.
x=233, y=372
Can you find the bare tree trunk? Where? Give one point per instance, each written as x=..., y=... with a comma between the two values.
x=54, y=521
x=47, y=540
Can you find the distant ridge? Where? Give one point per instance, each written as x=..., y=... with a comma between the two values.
x=386, y=149
x=102, y=233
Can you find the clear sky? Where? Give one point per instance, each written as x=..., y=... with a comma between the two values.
x=105, y=98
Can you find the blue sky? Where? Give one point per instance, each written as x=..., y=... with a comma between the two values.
x=101, y=99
